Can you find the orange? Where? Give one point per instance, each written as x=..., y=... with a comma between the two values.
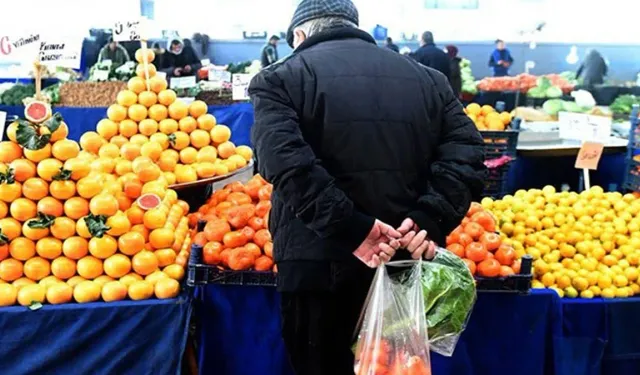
x=9, y=151
x=133, y=188
x=22, y=248
x=126, y=98
x=230, y=164
x=35, y=188
x=170, y=177
x=103, y=279
x=62, y=189
x=131, y=243
x=87, y=291
x=117, y=266
x=72, y=282
x=147, y=127
x=23, y=169
x=114, y=291
x=145, y=55
x=4, y=210
x=174, y=271
x=137, y=112
x=150, y=70
x=119, y=140
x=50, y=280
x=197, y=108
x=167, y=163
x=35, y=233
x=38, y=155
x=238, y=160
x=143, y=231
x=10, y=269
x=104, y=204
x=127, y=128
x=8, y=294
x=149, y=172
x=50, y=206
x=89, y=187
x=103, y=247
x=76, y=207
x=49, y=248
x=116, y=112
x=63, y=228
x=130, y=151
x=206, y=122
x=75, y=247
x=226, y=149
x=91, y=142
x=200, y=138
x=107, y=128
x=245, y=151
x=140, y=290
x=61, y=133
x=79, y=168
x=130, y=278
x=137, y=85
x=10, y=192
x=178, y=110
x=220, y=133
x=144, y=263
x=63, y=268
x=89, y=267
x=10, y=227
x=158, y=84
x=161, y=139
x=30, y=294
x=37, y=268
x=151, y=150
x=48, y=168
x=167, y=97
x=158, y=112
x=207, y=154
x=155, y=277
x=12, y=129
x=167, y=288
x=168, y=126
x=123, y=167
x=23, y=209
x=109, y=150
x=161, y=238
x=181, y=140
x=124, y=202
x=154, y=219
x=119, y=224
x=165, y=257
x=185, y=173
x=205, y=170
x=59, y=293
x=188, y=124
x=188, y=155
x=147, y=98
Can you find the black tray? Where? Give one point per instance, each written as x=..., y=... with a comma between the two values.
x=499, y=143
x=520, y=283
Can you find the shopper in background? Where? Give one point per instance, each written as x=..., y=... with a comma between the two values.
x=430, y=55
x=357, y=141
x=115, y=52
x=593, y=69
x=180, y=60
x=455, y=79
x=391, y=45
x=269, y=53
x=500, y=60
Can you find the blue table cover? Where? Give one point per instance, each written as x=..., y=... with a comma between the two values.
x=536, y=334
x=126, y=337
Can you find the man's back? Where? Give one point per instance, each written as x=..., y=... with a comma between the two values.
x=431, y=56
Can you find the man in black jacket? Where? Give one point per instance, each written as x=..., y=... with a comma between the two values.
x=357, y=140
x=430, y=55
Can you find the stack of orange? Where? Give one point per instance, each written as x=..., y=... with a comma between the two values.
x=235, y=235
x=475, y=241
x=159, y=137
x=487, y=118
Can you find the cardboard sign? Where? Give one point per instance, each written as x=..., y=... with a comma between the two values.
x=63, y=53
x=589, y=155
x=19, y=48
x=581, y=127
x=124, y=31
x=3, y=120
x=183, y=82
x=217, y=75
x=240, y=86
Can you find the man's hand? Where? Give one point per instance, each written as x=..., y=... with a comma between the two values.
x=187, y=68
x=416, y=240
x=379, y=246
x=177, y=72
x=500, y=62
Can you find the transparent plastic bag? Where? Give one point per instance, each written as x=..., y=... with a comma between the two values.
x=393, y=337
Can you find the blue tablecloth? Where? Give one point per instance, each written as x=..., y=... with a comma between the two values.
x=538, y=334
x=145, y=337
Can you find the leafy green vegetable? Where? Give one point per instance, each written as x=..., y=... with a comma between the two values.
x=543, y=82
x=29, y=136
x=623, y=104
x=553, y=92
x=97, y=225
x=553, y=106
x=41, y=221
x=16, y=94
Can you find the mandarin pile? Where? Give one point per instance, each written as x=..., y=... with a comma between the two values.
x=155, y=135
x=583, y=244
x=487, y=118
x=236, y=234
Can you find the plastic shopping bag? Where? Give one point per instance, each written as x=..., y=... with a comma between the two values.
x=393, y=337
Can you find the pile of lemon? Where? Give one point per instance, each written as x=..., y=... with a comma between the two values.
x=487, y=118
x=583, y=244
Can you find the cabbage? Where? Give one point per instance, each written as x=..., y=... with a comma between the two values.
x=553, y=92
x=543, y=82
x=572, y=107
x=536, y=92
x=553, y=106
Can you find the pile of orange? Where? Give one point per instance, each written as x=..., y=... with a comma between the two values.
x=150, y=132
x=487, y=118
x=475, y=241
x=236, y=234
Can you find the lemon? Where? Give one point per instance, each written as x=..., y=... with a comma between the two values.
x=586, y=294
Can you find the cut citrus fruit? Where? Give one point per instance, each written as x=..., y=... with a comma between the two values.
x=37, y=111
x=148, y=201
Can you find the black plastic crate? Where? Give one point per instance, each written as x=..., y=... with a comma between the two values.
x=520, y=283
x=632, y=176
x=495, y=185
x=199, y=273
x=500, y=143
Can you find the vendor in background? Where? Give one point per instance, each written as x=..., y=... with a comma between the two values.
x=456, y=79
x=391, y=45
x=500, y=60
x=593, y=69
x=159, y=53
x=269, y=53
x=180, y=60
x=431, y=56
x=114, y=52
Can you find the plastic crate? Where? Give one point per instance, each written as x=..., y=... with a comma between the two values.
x=520, y=283
x=199, y=273
x=495, y=186
x=499, y=143
x=632, y=167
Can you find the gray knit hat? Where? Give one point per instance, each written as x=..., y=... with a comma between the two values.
x=311, y=9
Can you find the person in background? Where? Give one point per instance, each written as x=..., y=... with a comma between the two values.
x=360, y=167
x=269, y=53
x=115, y=52
x=159, y=52
x=430, y=55
x=391, y=45
x=593, y=69
x=455, y=79
x=180, y=60
x=500, y=60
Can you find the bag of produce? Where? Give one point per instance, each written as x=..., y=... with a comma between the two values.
x=393, y=337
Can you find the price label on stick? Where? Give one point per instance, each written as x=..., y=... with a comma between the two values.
x=240, y=86
x=124, y=31
x=183, y=82
x=589, y=155
x=216, y=75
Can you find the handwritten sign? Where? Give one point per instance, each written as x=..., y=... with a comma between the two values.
x=589, y=155
x=581, y=127
x=3, y=119
x=19, y=48
x=240, y=86
x=216, y=75
x=124, y=31
x=183, y=82
x=63, y=53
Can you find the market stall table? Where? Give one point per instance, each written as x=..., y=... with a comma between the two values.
x=126, y=337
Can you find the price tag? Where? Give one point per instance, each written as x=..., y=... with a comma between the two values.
x=101, y=75
x=205, y=62
x=124, y=31
x=581, y=127
x=130, y=64
x=216, y=75
x=17, y=48
x=63, y=76
x=589, y=155
x=107, y=63
x=3, y=120
x=183, y=82
x=240, y=86
x=63, y=53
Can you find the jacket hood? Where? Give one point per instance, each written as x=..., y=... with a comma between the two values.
x=171, y=41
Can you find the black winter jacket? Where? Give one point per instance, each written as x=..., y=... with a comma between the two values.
x=348, y=132
x=433, y=57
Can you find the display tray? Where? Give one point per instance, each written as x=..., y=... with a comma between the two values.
x=500, y=143
x=520, y=283
x=210, y=180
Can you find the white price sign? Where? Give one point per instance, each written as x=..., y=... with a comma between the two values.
x=59, y=52
x=124, y=31
x=581, y=127
x=216, y=75
x=101, y=75
x=3, y=119
x=240, y=86
x=183, y=82
x=205, y=62
x=19, y=48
